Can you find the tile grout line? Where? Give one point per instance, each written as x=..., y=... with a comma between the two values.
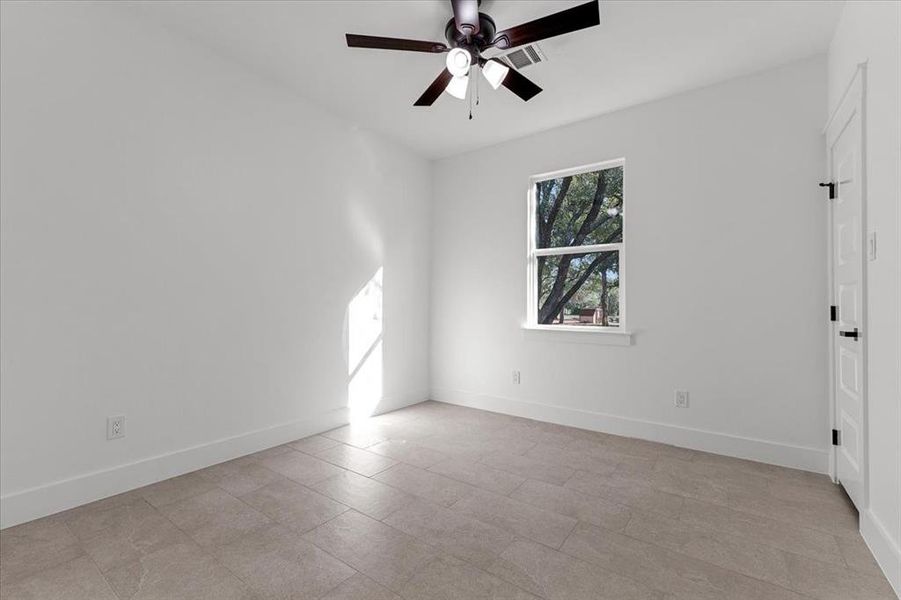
x=521, y=483
x=393, y=460
x=91, y=558
x=343, y=581
x=467, y=561
x=204, y=550
x=356, y=570
x=273, y=522
x=689, y=556
x=428, y=501
x=696, y=498
x=515, y=537
x=301, y=537
x=568, y=535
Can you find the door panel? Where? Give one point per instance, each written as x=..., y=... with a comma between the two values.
x=850, y=448
x=849, y=373
x=847, y=294
x=848, y=242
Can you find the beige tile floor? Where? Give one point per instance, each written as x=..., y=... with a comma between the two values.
x=441, y=502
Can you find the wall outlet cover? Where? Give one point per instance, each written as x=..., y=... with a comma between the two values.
x=681, y=399
x=517, y=379
x=115, y=427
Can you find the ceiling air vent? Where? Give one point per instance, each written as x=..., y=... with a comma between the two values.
x=524, y=56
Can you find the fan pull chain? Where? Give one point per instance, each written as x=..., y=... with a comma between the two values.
x=477, y=85
x=473, y=75
x=469, y=94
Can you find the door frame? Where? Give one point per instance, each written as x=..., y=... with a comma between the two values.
x=852, y=101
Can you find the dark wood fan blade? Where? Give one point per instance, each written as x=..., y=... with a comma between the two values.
x=566, y=21
x=433, y=91
x=521, y=85
x=386, y=43
x=466, y=16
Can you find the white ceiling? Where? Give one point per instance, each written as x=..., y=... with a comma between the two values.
x=642, y=51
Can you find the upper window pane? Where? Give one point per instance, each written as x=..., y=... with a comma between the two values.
x=580, y=209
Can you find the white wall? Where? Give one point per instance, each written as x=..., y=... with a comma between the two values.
x=180, y=240
x=871, y=32
x=726, y=239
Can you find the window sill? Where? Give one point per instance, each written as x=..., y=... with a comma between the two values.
x=580, y=335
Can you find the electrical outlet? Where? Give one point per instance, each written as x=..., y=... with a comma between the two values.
x=681, y=399
x=516, y=378
x=115, y=427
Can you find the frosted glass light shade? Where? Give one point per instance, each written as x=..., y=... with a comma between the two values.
x=457, y=87
x=495, y=72
x=458, y=61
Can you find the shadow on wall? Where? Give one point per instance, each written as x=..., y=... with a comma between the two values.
x=364, y=350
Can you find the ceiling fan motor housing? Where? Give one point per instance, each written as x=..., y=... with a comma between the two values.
x=475, y=43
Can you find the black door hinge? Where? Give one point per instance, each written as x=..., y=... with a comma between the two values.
x=831, y=186
x=833, y=313
x=836, y=437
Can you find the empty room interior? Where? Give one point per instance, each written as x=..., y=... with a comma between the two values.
x=450, y=299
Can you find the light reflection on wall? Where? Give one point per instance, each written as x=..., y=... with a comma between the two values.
x=364, y=350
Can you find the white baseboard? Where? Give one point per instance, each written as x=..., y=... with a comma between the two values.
x=784, y=455
x=884, y=549
x=40, y=501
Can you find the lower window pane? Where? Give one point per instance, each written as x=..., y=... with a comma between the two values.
x=579, y=289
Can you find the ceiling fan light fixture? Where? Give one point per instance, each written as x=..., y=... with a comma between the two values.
x=458, y=62
x=495, y=72
x=470, y=33
x=457, y=87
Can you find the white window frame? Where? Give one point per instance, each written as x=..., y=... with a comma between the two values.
x=534, y=253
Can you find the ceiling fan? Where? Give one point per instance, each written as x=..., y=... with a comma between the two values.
x=470, y=33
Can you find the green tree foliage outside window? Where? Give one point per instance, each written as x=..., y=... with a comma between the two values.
x=580, y=288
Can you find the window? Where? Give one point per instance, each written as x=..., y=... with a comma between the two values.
x=576, y=249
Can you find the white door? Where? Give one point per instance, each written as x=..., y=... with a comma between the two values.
x=848, y=287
